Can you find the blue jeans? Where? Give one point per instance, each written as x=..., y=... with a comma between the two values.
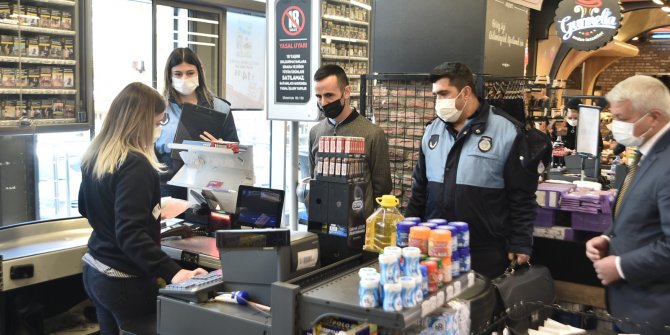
x=118, y=300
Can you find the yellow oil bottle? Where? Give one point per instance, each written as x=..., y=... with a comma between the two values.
x=380, y=227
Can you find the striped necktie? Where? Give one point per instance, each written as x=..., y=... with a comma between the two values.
x=626, y=182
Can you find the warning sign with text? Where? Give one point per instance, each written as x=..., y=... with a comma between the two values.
x=293, y=51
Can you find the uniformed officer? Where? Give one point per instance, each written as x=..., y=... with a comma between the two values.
x=469, y=170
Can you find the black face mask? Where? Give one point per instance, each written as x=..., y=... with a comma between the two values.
x=331, y=110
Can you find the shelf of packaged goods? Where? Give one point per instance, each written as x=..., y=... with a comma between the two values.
x=32, y=29
x=336, y=57
x=354, y=3
x=30, y=60
x=53, y=2
x=343, y=19
x=20, y=126
x=50, y=91
x=353, y=76
x=329, y=38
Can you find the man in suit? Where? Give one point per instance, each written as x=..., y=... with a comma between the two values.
x=632, y=258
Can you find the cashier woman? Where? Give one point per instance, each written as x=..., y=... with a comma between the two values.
x=185, y=82
x=120, y=197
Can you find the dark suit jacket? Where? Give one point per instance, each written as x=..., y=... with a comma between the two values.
x=640, y=235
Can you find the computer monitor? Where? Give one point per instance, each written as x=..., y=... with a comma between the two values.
x=259, y=207
x=195, y=120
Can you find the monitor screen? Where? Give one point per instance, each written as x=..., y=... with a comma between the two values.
x=259, y=207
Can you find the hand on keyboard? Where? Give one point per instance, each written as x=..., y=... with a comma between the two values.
x=184, y=275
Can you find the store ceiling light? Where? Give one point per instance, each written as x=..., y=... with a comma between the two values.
x=661, y=36
x=659, y=2
x=666, y=9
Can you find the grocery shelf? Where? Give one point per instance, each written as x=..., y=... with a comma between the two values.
x=30, y=60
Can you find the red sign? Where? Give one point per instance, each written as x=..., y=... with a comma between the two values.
x=293, y=20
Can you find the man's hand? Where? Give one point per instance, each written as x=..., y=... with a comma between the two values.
x=597, y=248
x=606, y=270
x=520, y=258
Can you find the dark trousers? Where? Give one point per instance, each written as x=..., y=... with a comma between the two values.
x=490, y=261
x=118, y=300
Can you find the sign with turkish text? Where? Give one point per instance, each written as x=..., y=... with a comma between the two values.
x=505, y=38
x=292, y=45
x=587, y=24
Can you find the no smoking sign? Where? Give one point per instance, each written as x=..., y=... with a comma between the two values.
x=293, y=21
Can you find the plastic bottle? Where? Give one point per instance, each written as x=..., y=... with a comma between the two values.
x=446, y=269
x=431, y=270
x=380, y=227
x=454, y=236
x=439, y=243
x=392, y=301
x=408, y=291
x=402, y=229
x=368, y=290
x=418, y=237
x=411, y=256
x=439, y=222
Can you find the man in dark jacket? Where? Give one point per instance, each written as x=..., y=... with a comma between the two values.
x=469, y=170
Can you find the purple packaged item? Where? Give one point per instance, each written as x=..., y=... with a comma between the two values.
x=549, y=194
x=591, y=222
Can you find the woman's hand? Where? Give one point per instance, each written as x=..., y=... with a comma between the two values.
x=205, y=136
x=184, y=275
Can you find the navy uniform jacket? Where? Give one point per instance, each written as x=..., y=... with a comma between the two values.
x=640, y=236
x=476, y=176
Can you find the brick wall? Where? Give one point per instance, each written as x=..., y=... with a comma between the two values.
x=654, y=57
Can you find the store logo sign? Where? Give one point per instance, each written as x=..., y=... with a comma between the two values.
x=587, y=24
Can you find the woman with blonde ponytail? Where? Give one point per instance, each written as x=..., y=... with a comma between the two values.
x=120, y=197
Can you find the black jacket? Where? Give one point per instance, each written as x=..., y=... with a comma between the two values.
x=124, y=210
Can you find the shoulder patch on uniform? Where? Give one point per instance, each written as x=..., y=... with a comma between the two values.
x=432, y=143
x=485, y=144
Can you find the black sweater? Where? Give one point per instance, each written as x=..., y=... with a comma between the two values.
x=124, y=210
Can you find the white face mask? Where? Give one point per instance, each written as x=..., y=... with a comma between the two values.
x=446, y=109
x=185, y=86
x=157, y=133
x=624, y=133
x=573, y=122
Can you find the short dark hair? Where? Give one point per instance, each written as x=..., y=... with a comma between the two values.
x=573, y=103
x=328, y=70
x=459, y=74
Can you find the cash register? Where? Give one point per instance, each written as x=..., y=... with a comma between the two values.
x=253, y=257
